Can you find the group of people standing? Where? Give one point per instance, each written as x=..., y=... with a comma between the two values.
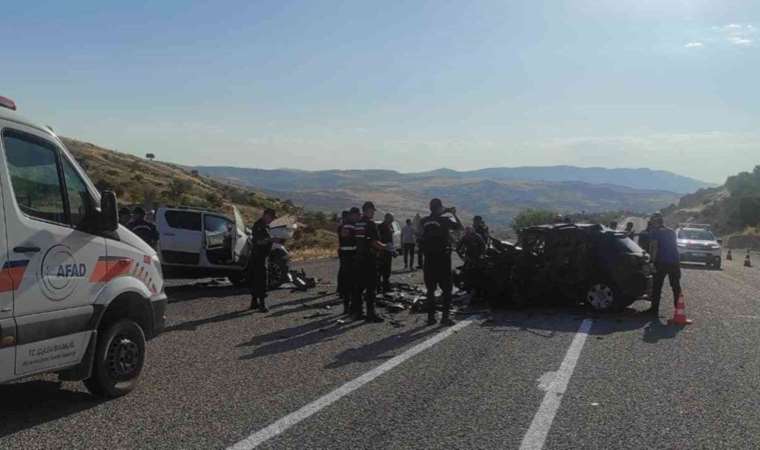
x=366, y=251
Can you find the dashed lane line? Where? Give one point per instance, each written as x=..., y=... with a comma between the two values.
x=281, y=425
x=555, y=384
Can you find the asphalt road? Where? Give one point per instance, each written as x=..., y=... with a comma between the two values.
x=220, y=374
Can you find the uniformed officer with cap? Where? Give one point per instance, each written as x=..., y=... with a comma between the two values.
x=436, y=243
x=257, y=264
x=368, y=245
x=141, y=227
x=347, y=253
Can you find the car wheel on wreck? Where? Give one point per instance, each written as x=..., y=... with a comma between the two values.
x=603, y=296
x=278, y=272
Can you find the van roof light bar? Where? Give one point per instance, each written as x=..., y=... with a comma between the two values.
x=7, y=103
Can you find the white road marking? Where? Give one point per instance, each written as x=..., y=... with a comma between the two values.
x=259, y=437
x=555, y=385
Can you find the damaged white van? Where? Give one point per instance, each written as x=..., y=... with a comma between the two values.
x=79, y=294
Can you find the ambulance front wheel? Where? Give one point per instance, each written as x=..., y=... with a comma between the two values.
x=119, y=359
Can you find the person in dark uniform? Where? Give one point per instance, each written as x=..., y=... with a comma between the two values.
x=347, y=253
x=481, y=229
x=125, y=216
x=664, y=249
x=418, y=237
x=436, y=244
x=257, y=264
x=472, y=249
x=367, y=246
x=645, y=237
x=142, y=228
x=385, y=259
x=629, y=232
x=341, y=269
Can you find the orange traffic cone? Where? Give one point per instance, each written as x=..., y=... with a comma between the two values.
x=729, y=256
x=679, y=316
x=747, y=261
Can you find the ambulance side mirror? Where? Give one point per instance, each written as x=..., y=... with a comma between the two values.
x=109, y=214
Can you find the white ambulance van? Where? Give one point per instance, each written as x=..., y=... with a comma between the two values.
x=79, y=294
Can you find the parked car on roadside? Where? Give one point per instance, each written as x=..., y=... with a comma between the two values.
x=696, y=243
x=580, y=263
x=198, y=243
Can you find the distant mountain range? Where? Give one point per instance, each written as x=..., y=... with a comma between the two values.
x=496, y=193
x=291, y=179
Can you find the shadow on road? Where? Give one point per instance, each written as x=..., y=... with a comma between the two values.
x=188, y=292
x=382, y=349
x=193, y=325
x=299, y=300
x=29, y=404
x=323, y=305
x=657, y=330
x=547, y=322
x=293, y=338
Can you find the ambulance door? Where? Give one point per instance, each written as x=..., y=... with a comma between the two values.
x=48, y=210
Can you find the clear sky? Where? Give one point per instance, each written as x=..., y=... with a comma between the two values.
x=406, y=85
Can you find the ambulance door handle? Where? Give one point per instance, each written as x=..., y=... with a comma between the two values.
x=22, y=249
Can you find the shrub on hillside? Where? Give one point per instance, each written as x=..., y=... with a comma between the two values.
x=530, y=217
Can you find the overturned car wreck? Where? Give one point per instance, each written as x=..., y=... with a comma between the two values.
x=570, y=263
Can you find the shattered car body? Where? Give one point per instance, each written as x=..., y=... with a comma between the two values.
x=580, y=263
x=573, y=263
x=489, y=276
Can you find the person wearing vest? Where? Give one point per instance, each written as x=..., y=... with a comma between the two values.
x=347, y=252
x=436, y=244
x=368, y=245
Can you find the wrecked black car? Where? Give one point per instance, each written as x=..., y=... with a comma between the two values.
x=580, y=263
x=487, y=272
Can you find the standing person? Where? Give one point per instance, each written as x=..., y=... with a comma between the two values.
x=436, y=244
x=481, y=229
x=418, y=235
x=629, y=230
x=257, y=264
x=408, y=241
x=664, y=250
x=125, y=216
x=341, y=267
x=142, y=228
x=645, y=237
x=386, y=258
x=347, y=252
x=367, y=246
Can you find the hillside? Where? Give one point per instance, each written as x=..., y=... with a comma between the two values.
x=733, y=210
x=498, y=199
x=152, y=183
